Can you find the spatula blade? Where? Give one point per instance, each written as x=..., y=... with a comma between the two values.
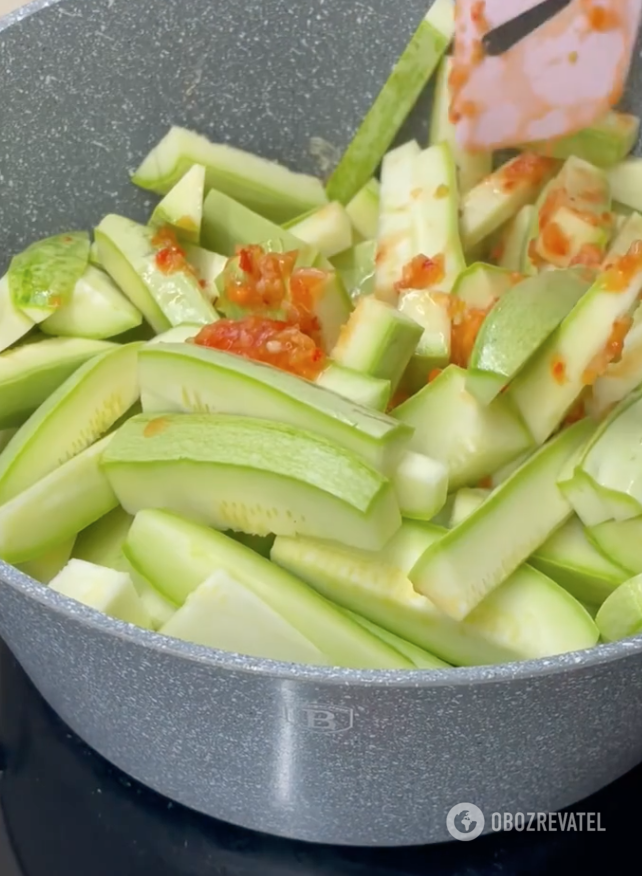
x=559, y=79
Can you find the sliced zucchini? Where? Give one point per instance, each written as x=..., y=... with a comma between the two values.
x=45, y=567
x=621, y=541
x=502, y=474
x=474, y=558
x=531, y=263
x=356, y=267
x=582, y=217
x=177, y=556
x=527, y=617
x=466, y=502
x=495, y=200
x=570, y=558
x=395, y=235
x=571, y=359
x=625, y=180
x=620, y=617
x=103, y=589
x=14, y=322
x=363, y=211
x=472, y=167
x=514, y=238
x=328, y=229
x=435, y=212
x=581, y=491
x=130, y=252
x=192, y=379
x=42, y=278
x=97, y=309
x=103, y=544
x=604, y=144
x=262, y=185
x=481, y=285
x=250, y=475
x=629, y=233
x=56, y=507
x=377, y=340
x=517, y=326
x=369, y=392
x=228, y=224
x=421, y=658
x=434, y=237
x=431, y=311
x=226, y=614
x=182, y=207
x=381, y=125
x=421, y=486
x=208, y=266
x=613, y=458
x=471, y=439
x=72, y=418
x=30, y=373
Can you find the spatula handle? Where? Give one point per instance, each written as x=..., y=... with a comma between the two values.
x=504, y=37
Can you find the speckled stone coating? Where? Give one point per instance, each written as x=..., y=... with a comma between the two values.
x=361, y=758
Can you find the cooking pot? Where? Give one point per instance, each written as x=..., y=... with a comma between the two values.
x=325, y=755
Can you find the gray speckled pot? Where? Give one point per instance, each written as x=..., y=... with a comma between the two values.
x=364, y=758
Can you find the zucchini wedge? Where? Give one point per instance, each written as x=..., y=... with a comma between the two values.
x=31, y=372
x=517, y=326
x=495, y=200
x=225, y=614
x=268, y=188
x=580, y=349
x=474, y=558
x=80, y=411
x=182, y=207
x=250, y=475
x=378, y=340
x=176, y=556
x=605, y=144
x=381, y=125
x=527, y=617
x=97, y=309
x=187, y=378
x=57, y=507
x=134, y=256
x=105, y=590
x=620, y=617
x=363, y=211
x=472, y=440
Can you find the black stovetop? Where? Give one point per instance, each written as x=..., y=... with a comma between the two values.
x=66, y=812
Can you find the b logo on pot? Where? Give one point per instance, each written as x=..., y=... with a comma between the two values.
x=320, y=718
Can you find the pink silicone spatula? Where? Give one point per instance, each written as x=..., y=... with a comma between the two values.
x=533, y=70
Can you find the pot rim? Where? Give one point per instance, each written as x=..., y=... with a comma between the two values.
x=370, y=678
x=524, y=670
